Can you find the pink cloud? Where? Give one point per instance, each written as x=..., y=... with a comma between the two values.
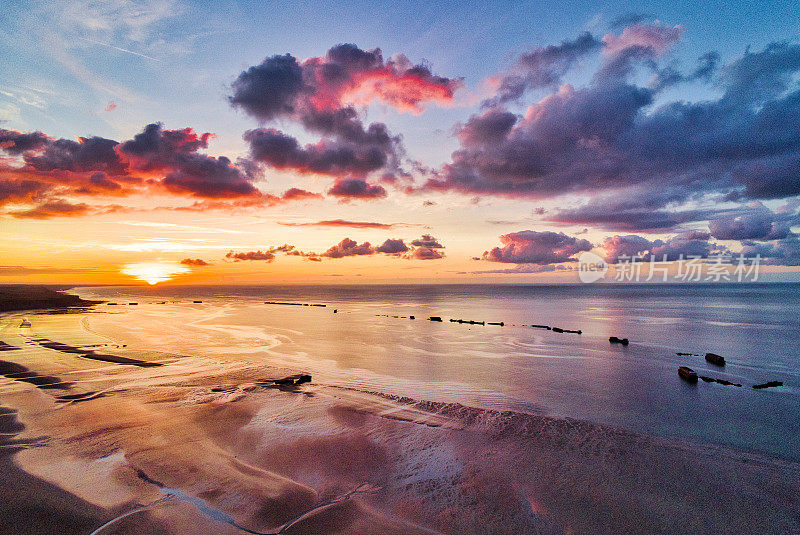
x=656, y=37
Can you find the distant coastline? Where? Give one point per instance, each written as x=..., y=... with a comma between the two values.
x=15, y=297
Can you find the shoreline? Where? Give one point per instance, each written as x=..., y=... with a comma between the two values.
x=219, y=448
x=30, y=297
x=224, y=446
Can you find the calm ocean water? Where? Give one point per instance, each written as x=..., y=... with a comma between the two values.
x=755, y=326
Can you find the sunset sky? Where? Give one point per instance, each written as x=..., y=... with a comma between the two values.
x=356, y=142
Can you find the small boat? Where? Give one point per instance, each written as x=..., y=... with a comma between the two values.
x=25, y=323
x=687, y=374
x=715, y=359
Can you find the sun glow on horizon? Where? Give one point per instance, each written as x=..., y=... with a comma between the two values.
x=154, y=272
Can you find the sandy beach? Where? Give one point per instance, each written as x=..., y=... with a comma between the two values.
x=103, y=437
x=400, y=268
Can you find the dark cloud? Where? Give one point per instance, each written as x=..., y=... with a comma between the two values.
x=21, y=191
x=669, y=76
x=391, y=246
x=194, y=262
x=270, y=89
x=631, y=246
x=687, y=244
x=330, y=157
x=355, y=188
x=322, y=94
x=784, y=252
x=100, y=183
x=636, y=209
x=266, y=256
x=187, y=171
x=532, y=247
x=639, y=210
x=282, y=86
x=15, y=143
x=681, y=246
x=427, y=241
x=156, y=160
x=541, y=68
x=210, y=178
x=758, y=223
x=348, y=247
x=87, y=155
x=157, y=148
x=770, y=177
x=608, y=137
x=491, y=127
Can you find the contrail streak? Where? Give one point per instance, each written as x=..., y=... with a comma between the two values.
x=120, y=49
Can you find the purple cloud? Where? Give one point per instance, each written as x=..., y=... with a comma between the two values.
x=759, y=223
x=681, y=246
x=391, y=246
x=355, y=188
x=532, y=247
x=330, y=157
x=348, y=247
x=266, y=256
x=609, y=137
x=16, y=143
x=784, y=252
x=541, y=67
x=322, y=95
x=631, y=246
x=427, y=241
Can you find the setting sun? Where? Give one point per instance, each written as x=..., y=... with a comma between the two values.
x=154, y=272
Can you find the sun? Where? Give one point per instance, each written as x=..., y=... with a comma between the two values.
x=154, y=272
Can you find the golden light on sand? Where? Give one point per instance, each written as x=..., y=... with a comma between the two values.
x=154, y=272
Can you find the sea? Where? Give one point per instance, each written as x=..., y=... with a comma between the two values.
x=364, y=338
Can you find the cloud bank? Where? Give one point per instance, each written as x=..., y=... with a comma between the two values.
x=323, y=95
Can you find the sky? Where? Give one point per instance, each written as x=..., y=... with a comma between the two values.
x=166, y=141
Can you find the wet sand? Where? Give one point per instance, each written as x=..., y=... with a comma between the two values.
x=211, y=445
